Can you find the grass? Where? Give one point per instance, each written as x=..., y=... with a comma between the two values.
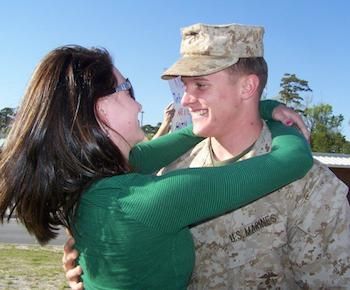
x=31, y=267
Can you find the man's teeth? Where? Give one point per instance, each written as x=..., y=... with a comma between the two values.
x=200, y=112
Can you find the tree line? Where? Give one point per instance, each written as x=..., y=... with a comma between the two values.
x=6, y=117
x=324, y=125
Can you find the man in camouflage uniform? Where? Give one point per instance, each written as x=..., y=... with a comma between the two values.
x=295, y=238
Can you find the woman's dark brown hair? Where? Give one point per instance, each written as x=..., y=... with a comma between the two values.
x=56, y=147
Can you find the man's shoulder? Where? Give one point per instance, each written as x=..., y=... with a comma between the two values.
x=319, y=197
x=200, y=151
x=200, y=147
x=319, y=192
x=322, y=183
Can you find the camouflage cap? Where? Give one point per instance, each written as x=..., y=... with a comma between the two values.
x=206, y=49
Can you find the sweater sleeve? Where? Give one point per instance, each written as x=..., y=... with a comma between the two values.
x=266, y=108
x=150, y=156
x=186, y=196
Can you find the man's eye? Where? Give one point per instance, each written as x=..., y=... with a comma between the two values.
x=200, y=85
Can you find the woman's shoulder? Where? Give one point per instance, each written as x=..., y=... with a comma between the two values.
x=107, y=192
x=117, y=182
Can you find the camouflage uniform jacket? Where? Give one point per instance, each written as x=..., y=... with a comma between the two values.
x=295, y=238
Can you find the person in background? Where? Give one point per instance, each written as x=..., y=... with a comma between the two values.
x=165, y=126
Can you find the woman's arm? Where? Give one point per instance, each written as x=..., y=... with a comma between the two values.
x=148, y=157
x=183, y=197
x=274, y=110
x=266, y=108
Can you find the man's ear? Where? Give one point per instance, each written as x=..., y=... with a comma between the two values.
x=249, y=86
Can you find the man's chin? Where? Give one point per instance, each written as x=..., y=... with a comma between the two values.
x=200, y=131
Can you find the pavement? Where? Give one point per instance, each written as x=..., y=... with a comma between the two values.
x=15, y=233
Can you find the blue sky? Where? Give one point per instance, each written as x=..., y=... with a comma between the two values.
x=308, y=38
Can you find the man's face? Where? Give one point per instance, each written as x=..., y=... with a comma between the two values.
x=213, y=101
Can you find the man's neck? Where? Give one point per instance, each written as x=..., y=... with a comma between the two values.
x=238, y=139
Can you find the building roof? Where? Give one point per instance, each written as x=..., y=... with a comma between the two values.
x=333, y=159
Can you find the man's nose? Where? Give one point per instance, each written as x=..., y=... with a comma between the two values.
x=187, y=99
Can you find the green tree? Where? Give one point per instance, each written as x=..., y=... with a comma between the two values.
x=325, y=127
x=6, y=117
x=346, y=147
x=291, y=89
x=325, y=130
x=150, y=130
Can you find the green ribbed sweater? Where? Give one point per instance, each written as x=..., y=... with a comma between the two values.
x=132, y=230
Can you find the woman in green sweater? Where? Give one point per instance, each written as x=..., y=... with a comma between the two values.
x=71, y=159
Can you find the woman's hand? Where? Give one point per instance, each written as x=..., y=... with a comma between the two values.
x=72, y=271
x=289, y=117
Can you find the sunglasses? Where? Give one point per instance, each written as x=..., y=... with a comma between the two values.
x=125, y=86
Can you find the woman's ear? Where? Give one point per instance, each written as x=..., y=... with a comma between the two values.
x=101, y=115
x=99, y=109
x=249, y=86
